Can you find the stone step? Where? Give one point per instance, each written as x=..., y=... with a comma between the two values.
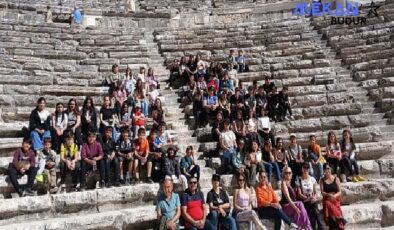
x=101, y=200
x=131, y=218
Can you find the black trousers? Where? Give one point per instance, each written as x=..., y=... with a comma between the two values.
x=14, y=173
x=85, y=167
x=313, y=214
x=74, y=173
x=349, y=164
x=111, y=164
x=274, y=213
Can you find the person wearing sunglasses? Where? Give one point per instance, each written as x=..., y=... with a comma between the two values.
x=219, y=206
x=268, y=204
x=330, y=187
x=242, y=202
x=293, y=208
x=193, y=207
x=306, y=186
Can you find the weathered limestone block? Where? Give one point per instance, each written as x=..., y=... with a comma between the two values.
x=280, y=74
x=385, y=92
x=25, y=205
x=315, y=71
x=321, y=79
x=363, y=213
x=75, y=202
x=23, y=89
x=378, y=189
x=386, y=166
x=337, y=122
x=369, y=167
x=23, y=79
x=387, y=104
x=7, y=100
x=342, y=109
x=203, y=135
x=373, y=150
x=388, y=213
x=310, y=100
x=306, y=90
x=304, y=125
x=115, y=198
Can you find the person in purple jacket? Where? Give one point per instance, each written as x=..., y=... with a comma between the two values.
x=92, y=159
x=23, y=163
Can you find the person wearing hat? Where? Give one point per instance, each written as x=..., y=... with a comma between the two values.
x=219, y=206
x=193, y=208
x=210, y=103
x=171, y=166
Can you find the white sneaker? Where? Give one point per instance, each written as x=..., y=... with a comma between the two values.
x=293, y=226
x=292, y=118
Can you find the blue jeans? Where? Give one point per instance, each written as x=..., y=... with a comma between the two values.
x=38, y=139
x=144, y=108
x=227, y=221
x=208, y=226
x=226, y=160
x=272, y=166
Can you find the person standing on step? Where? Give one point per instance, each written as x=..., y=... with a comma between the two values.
x=120, y=96
x=330, y=187
x=76, y=17
x=88, y=116
x=59, y=125
x=23, y=163
x=39, y=124
x=74, y=120
x=193, y=208
x=349, y=161
x=268, y=160
x=48, y=15
x=168, y=208
x=92, y=159
x=227, y=143
x=284, y=105
x=294, y=157
x=268, y=204
x=107, y=117
x=219, y=206
x=69, y=156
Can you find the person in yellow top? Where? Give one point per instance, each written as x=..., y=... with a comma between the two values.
x=316, y=157
x=268, y=204
x=69, y=156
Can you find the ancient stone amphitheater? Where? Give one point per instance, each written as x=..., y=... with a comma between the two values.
x=340, y=76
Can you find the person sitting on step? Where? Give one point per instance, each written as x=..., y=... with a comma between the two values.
x=140, y=155
x=168, y=208
x=39, y=124
x=124, y=153
x=349, y=161
x=47, y=165
x=219, y=206
x=92, y=159
x=69, y=156
x=23, y=163
x=188, y=165
x=111, y=162
x=171, y=167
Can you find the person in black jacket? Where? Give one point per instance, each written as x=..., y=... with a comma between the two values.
x=39, y=124
x=88, y=117
x=171, y=166
x=284, y=104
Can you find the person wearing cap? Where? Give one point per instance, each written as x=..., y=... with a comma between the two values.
x=193, y=208
x=219, y=206
x=171, y=166
x=227, y=143
x=168, y=208
x=92, y=159
x=268, y=206
x=23, y=163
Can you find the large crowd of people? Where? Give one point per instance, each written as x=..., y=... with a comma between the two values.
x=115, y=143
